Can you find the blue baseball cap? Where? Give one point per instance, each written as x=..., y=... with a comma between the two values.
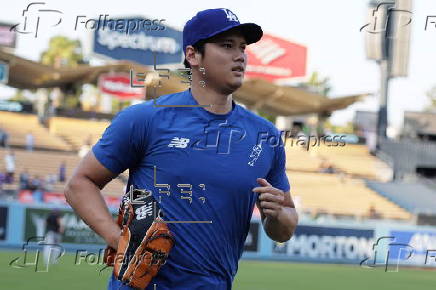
x=210, y=22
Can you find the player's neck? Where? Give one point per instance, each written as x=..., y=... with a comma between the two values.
x=220, y=103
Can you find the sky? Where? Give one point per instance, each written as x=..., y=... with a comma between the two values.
x=329, y=29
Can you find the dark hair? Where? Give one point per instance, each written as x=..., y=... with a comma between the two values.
x=199, y=47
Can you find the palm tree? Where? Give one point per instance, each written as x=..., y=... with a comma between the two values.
x=320, y=86
x=317, y=85
x=64, y=52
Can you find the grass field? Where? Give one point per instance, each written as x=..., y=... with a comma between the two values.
x=251, y=276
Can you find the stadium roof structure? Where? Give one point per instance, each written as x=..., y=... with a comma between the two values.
x=262, y=95
x=27, y=74
x=256, y=94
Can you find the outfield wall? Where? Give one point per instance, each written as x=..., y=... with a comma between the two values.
x=368, y=244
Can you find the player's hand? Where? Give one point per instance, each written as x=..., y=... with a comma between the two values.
x=271, y=199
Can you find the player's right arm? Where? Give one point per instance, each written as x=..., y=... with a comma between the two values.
x=121, y=147
x=83, y=193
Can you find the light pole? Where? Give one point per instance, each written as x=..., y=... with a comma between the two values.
x=387, y=41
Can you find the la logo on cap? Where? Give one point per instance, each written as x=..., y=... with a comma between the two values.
x=230, y=15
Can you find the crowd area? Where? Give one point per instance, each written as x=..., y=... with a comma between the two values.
x=4, y=139
x=24, y=179
x=27, y=181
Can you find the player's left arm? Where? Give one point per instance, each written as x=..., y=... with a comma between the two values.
x=277, y=210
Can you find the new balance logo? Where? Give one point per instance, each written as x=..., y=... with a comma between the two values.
x=230, y=15
x=179, y=142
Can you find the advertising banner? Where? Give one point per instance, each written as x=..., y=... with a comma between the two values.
x=327, y=243
x=76, y=231
x=137, y=39
x=3, y=222
x=26, y=196
x=7, y=37
x=120, y=86
x=413, y=247
x=16, y=106
x=274, y=58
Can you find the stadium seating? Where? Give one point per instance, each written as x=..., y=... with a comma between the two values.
x=42, y=163
x=415, y=197
x=355, y=160
x=77, y=131
x=352, y=159
x=335, y=194
x=339, y=194
x=300, y=159
x=17, y=125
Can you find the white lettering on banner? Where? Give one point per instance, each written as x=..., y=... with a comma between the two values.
x=350, y=248
x=366, y=245
x=330, y=247
x=327, y=250
x=72, y=221
x=423, y=242
x=39, y=223
x=267, y=51
x=339, y=246
x=114, y=39
x=10, y=106
x=120, y=87
x=272, y=70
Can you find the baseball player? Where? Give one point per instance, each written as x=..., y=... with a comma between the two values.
x=205, y=160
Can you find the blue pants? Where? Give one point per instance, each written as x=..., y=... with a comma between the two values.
x=178, y=280
x=115, y=284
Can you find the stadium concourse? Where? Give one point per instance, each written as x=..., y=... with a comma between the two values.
x=339, y=191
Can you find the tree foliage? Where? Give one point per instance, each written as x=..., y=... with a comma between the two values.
x=431, y=94
x=317, y=85
x=63, y=52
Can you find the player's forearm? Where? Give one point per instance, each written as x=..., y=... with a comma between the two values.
x=282, y=228
x=87, y=201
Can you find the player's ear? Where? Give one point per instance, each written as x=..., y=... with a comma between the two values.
x=192, y=56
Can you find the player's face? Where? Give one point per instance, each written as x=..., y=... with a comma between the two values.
x=225, y=62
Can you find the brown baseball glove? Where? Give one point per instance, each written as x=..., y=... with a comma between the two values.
x=144, y=244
